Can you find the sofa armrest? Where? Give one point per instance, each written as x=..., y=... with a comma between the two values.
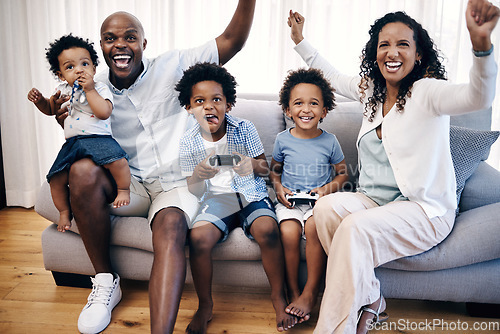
x=482, y=188
x=44, y=205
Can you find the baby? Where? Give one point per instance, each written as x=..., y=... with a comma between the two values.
x=87, y=128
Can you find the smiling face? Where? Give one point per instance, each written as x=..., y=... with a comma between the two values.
x=209, y=106
x=306, y=109
x=73, y=63
x=122, y=44
x=396, y=52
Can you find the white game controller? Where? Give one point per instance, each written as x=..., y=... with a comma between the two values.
x=299, y=197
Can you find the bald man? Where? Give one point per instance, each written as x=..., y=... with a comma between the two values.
x=147, y=121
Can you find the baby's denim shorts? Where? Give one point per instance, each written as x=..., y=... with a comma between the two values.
x=228, y=211
x=102, y=149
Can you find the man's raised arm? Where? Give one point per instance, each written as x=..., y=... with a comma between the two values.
x=234, y=37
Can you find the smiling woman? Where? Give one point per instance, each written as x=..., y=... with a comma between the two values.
x=396, y=54
x=408, y=205
x=31, y=141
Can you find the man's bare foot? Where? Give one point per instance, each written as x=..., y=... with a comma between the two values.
x=284, y=321
x=199, y=323
x=302, y=306
x=122, y=198
x=370, y=314
x=64, y=222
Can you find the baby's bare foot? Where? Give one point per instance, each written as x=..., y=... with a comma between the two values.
x=122, y=198
x=64, y=222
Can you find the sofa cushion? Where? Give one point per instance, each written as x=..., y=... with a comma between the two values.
x=473, y=239
x=134, y=232
x=482, y=188
x=468, y=148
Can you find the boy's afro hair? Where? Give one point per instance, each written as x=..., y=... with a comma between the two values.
x=311, y=76
x=64, y=43
x=206, y=72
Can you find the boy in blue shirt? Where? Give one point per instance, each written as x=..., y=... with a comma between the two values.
x=304, y=158
x=231, y=196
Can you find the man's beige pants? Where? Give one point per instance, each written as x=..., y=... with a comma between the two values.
x=358, y=236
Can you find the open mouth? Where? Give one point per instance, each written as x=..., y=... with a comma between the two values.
x=393, y=66
x=212, y=119
x=122, y=61
x=306, y=119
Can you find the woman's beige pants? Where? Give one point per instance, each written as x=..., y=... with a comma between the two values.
x=358, y=236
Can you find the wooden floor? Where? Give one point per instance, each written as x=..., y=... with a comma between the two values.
x=30, y=302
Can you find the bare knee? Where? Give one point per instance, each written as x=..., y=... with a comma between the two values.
x=118, y=164
x=169, y=228
x=290, y=232
x=120, y=171
x=203, y=239
x=89, y=183
x=310, y=229
x=86, y=176
x=265, y=231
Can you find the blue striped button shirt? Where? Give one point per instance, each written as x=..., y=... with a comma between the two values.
x=242, y=137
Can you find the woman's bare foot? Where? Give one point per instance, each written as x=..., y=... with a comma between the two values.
x=64, y=222
x=122, y=198
x=302, y=306
x=199, y=323
x=284, y=321
x=370, y=314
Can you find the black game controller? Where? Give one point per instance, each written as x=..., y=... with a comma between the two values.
x=224, y=160
x=299, y=197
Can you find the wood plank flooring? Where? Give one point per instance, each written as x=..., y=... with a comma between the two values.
x=30, y=302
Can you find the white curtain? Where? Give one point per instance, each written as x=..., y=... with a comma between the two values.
x=338, y=28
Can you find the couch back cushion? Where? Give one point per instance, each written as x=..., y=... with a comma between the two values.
x=344, y=122
x=479, y=120
x=267, y=118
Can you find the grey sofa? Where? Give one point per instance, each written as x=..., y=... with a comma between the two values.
x=465, y=267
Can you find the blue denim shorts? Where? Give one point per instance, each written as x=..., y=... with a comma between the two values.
x=229, y=211
x=102, y=149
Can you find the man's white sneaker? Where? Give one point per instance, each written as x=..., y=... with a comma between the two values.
x=96, y=315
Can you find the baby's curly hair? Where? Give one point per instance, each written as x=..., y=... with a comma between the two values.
x=311, y=76
x=64, y=43
x=429, y=66
x=206, y=72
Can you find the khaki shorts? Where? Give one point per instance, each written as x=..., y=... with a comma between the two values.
x=300, y=212
x=148, y=198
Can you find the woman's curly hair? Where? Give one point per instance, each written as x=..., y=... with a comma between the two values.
x=64, y=43
x=429, y=65
x=206, y=72
x=311, y=76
